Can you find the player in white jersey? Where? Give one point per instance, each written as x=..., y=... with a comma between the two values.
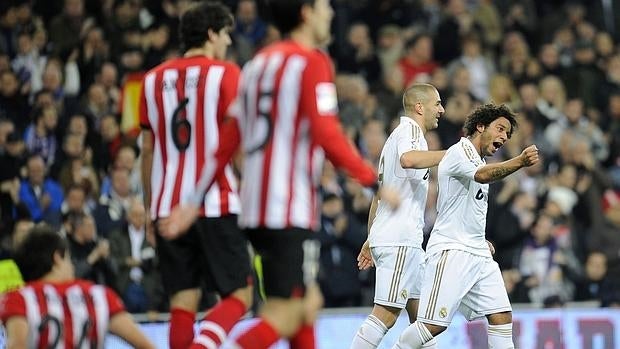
x=460, y=273
x=394, y=243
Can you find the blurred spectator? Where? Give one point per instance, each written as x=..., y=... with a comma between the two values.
x=502, y=91
x=90, y=254
x=584, y=77
x=125, y=159
x=93, y=52
x=552, y=98
x=389, y=47
x=358, y=55
x=13, y=102
x=541, y=274
x=605, y=237
x=42, y=196
x=40, y=136
x=110, y=212
x=575, y=121
x=28, y=63
x=67, y=28
x=341, y=238
x=457, y=21
x=75, y=201
x=549, y=58
x=248, y=25
x=133, y=252
x=480, y=68
x=417, y=64
x=593, y=283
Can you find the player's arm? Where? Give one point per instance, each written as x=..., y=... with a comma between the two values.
x=122, y=325
x=493, y=172
x=16, y=332
x=419, y=159
x=147, y=166
x=373, y=211
x=147, y=148
x=364, y=258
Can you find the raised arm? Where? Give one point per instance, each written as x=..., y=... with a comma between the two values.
x=493, y=172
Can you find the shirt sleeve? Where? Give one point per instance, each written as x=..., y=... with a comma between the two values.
x=320, y=103
x=12, y=304
x=115, y=304
x=463, y=162
x=228, y=89
x=142, y=108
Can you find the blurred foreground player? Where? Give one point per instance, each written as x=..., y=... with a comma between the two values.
x=53, y=309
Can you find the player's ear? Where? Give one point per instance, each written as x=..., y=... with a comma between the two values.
x=419, y=108
x=480, y=128
x=211, y=35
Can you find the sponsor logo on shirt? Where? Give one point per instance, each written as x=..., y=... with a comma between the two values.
x=326, y=100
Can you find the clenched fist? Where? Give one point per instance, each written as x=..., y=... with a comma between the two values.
x=529, y=156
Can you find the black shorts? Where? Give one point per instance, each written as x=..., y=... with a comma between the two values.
x=290, y=259
x=213, y=250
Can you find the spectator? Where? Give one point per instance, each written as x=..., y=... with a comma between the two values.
x=341, y=237
x=358, y=55
x=605, y=237
x=40, y=136
x=42, y=196
x=133, y=252
x=90, y=255
x=67, y=28
x=417, y=64
x=110, y=213
x=13, y=102
x=594, y=282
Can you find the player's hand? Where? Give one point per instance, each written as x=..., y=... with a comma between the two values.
x=389, y=196
x=364, y=259
x=491, y=247
x=529, y=156
x=180, y=219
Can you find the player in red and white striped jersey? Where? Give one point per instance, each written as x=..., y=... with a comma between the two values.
x=54, y=310
x=184, y=101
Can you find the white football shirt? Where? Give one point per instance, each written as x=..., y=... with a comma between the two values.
x=403, y=226
x=462, y=203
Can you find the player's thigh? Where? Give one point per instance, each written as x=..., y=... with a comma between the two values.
x=225, y=248
x=289, y=258
x=180, y=262
x=488, y=295
x=448, y=277
x=398, y=271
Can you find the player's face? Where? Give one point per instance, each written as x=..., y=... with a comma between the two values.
x=321, y=19
x=495, y=135
x=433, y=111
x=221, y=41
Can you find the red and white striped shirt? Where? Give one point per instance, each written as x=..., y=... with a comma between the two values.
x=287, y=116
x=202, y=89
x=67, y=315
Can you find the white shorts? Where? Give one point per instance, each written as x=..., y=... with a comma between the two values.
x=458, y=280
x=399, y=269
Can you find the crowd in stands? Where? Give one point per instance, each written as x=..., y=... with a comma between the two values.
x=69, y=139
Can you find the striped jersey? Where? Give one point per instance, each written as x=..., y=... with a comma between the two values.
x=403, y=226
x=67, y=315
x=462, y=203
x=199, y=90
x=287, y=116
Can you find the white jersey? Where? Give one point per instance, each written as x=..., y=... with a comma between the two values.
x=402, y=227
x=462, y=203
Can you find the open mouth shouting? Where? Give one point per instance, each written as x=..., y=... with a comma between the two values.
x=497, y=145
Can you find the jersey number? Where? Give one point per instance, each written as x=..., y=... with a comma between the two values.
x=262, y=126
x=479, y=195
x=49, y=320
x=181, y=128
x=380, y=170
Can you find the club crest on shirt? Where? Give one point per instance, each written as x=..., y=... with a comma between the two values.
x=403, y=294
x=443, y=312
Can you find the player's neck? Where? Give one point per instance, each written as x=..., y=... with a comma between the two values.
x=205, y=51
x=419, y=121
x=303, y=36
x=475, y=140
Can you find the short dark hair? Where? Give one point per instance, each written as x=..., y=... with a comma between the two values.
x=486, y=114
x=198, y=19
x=286, y=14
x=35, y=255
